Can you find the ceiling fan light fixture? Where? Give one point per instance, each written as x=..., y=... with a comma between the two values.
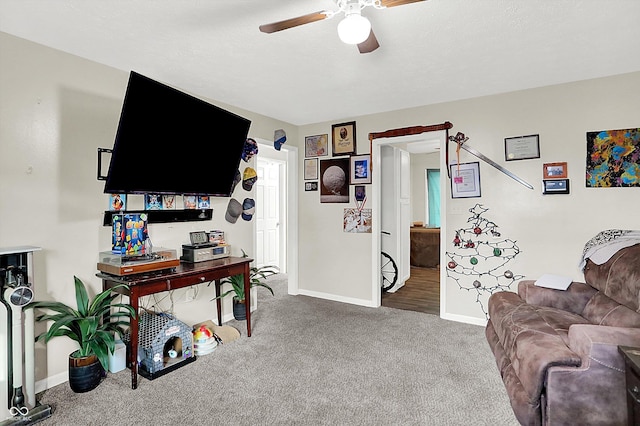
x=354, y=29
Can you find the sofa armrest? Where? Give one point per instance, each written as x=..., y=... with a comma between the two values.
x=594, y=392
x=573, y=299
x=600, y=343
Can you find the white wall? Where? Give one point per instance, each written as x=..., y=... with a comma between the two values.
x=55, y=111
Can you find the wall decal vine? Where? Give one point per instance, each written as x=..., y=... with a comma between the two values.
x=480, y=256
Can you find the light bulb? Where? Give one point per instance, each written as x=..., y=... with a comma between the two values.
x=354, y=29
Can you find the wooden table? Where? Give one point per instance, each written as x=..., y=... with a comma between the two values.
x=184, y=275
x=631, y=357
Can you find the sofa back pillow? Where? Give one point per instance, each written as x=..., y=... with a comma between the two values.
x=619, y=277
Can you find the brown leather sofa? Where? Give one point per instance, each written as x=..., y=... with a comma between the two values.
x=557, y=351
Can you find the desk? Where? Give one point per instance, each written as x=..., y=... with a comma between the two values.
x=184, y=275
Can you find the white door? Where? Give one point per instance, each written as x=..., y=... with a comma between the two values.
x=404, y=221
x=395, y=192
x=268, y=213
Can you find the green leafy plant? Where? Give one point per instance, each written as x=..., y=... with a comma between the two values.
x=90, y=325
x=256, y=275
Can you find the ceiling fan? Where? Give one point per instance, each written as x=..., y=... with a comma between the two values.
x=353, y=29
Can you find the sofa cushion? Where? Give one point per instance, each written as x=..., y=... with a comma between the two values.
x=560, y=320
x=530, y=343
x=602, y=310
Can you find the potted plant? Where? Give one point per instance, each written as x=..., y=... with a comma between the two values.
x=92, y=325
x=256, y=275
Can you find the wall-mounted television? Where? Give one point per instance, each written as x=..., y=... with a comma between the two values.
x=169, y=142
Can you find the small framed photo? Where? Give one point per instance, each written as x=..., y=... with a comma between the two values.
x=152, y=202
x=190, y=202
x=311, y=186
x=169, y=202
x=310, y=168
x=360, y=169
x=117, y=202
x=343, y=138
x=554, y=171
x=204, y=202
x=316, y=146
x=465, y=180
x=555, y=186
x=522, y=147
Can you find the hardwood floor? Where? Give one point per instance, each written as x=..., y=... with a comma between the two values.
x=420, y=293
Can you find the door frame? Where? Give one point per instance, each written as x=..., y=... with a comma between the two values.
x=289, y=215
x=390, y=137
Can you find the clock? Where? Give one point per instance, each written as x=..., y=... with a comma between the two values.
x=199, y=237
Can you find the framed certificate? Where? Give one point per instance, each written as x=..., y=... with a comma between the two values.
x=310, y=168
x=522, y=147
x=465, y=180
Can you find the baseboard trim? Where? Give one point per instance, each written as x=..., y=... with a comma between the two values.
x=335, y=298
x=465, y=319
x=51, y=381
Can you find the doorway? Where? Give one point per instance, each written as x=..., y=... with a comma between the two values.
x=287, y=206
x=270, y=241
x=412, y=140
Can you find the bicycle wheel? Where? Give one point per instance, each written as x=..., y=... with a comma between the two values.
x=389, y=271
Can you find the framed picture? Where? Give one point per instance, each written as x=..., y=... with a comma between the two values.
x=360, y=169
x=357, y=221
x=310, y=168
x=465, y=180
x=334, y=180
x=311, y=186
x=522, y=147
x=117, y=202
x=169, y=202
x=316, y=146
x=554, y=170
x=152, y=202
x=613, y=158
x=343, y=138
x=555, y=186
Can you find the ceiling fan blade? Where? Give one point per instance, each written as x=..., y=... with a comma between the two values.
x=293, y=22
x=393, y=3
x=370, y=44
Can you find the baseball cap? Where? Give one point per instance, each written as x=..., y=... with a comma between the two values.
x=236, y=180
x=234, y=209
x=248, y=208
x=250, y=149
x=249, y=177
x=279, y=138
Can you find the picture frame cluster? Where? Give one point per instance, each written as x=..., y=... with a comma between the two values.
x=333, y=170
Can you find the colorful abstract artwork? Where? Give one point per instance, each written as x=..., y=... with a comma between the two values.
x=613, y=158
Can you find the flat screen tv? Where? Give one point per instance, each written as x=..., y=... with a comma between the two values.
x=169, y=142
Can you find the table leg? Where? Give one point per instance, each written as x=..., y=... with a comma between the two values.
x=133, y=331
x=247, y=294
x=218, y=301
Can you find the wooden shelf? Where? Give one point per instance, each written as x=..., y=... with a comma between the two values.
x=167, y=216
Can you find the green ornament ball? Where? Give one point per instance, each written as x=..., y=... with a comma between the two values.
x=497, y=251
x=473, y=261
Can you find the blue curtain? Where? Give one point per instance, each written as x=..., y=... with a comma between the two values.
x=433, y=194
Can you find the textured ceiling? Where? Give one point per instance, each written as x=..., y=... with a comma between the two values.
x=430, y=52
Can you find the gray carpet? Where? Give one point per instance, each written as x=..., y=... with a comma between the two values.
x=312, y=362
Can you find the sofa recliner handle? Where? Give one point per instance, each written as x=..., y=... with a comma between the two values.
x=635, y=393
